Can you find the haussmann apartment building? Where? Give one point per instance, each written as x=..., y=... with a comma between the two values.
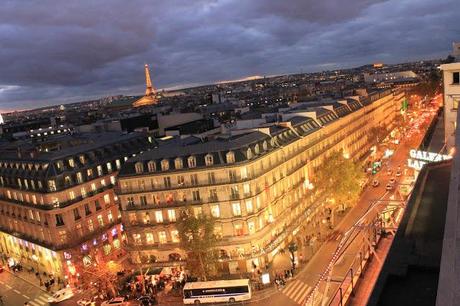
x=254, y=180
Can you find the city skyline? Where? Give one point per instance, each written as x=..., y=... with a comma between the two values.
x=67, y=56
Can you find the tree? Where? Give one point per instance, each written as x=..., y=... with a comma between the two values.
x=197, y=238
x=292, y=247
x=340, y=178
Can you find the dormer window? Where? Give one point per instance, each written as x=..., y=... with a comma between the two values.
x=139, y=167
x=264, y=145
x=60, y=165
x=71, y=163
x=178, y=163
x=256, y=149
x=249, y=153
x=151, y=166
x=230, y=156
x=165, y=165
x=82, y=159
x=209, y=160
x=191, y=162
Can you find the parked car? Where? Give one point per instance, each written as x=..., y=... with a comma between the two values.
x=61, y=295
x=392, y=180
x=398, y=173
x=118, y=301
x=375, y=183
x=389, y=187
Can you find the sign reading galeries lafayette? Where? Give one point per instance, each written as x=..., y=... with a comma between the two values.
x=419, y=158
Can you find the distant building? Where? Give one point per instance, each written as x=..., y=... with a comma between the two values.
x=389, y=76
x=150, y=96
x=451, y=80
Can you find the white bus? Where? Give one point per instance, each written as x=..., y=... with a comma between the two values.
x=217, y=291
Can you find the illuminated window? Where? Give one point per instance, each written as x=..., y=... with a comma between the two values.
x=149, y=238
x=178, y=164
x=100, y=220
x=249, y=207
x=71, y=195
x=238, y=229
x=71, y=163
x=209, y=160
x=118, y=164
x=103, y=183
x=90, y=225
x=215, y=211
x=139, y=167
x=175, y=236
x=109, y=167
x=159, y=216
x=171, y=215
x=236, y=209
x=151, y=166
x=52, y=185
x=93, y=187
x=191, y=162
x=247, y=189
x=106, y=198
x=164, y=165
x=230, y=156
x=99, y=170
x=83, y=192
x=162, y=237
x=244, y=173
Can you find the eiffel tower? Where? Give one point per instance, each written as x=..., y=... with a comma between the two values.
x=150, y=96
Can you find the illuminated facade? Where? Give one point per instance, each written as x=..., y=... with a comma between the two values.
x=255, y=181
x=58, y=209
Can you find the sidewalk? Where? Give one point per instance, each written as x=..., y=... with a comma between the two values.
x=33, y=280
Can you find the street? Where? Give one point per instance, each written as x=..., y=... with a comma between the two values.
x=16, y=291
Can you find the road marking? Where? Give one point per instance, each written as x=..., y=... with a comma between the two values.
x=17, y=291
x=26, y=296
x=304, y=296
x=8, y=286
x=34, y=304
x=292, y=288
x=301, y=291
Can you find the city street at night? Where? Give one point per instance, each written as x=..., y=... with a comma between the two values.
x=263, y=153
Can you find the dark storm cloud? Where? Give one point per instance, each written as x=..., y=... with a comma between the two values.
x=61, y=51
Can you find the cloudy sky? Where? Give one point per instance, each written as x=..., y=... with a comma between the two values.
x=54, y=51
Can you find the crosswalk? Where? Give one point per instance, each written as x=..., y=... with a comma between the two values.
x=297, y=291
x=40, y=300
